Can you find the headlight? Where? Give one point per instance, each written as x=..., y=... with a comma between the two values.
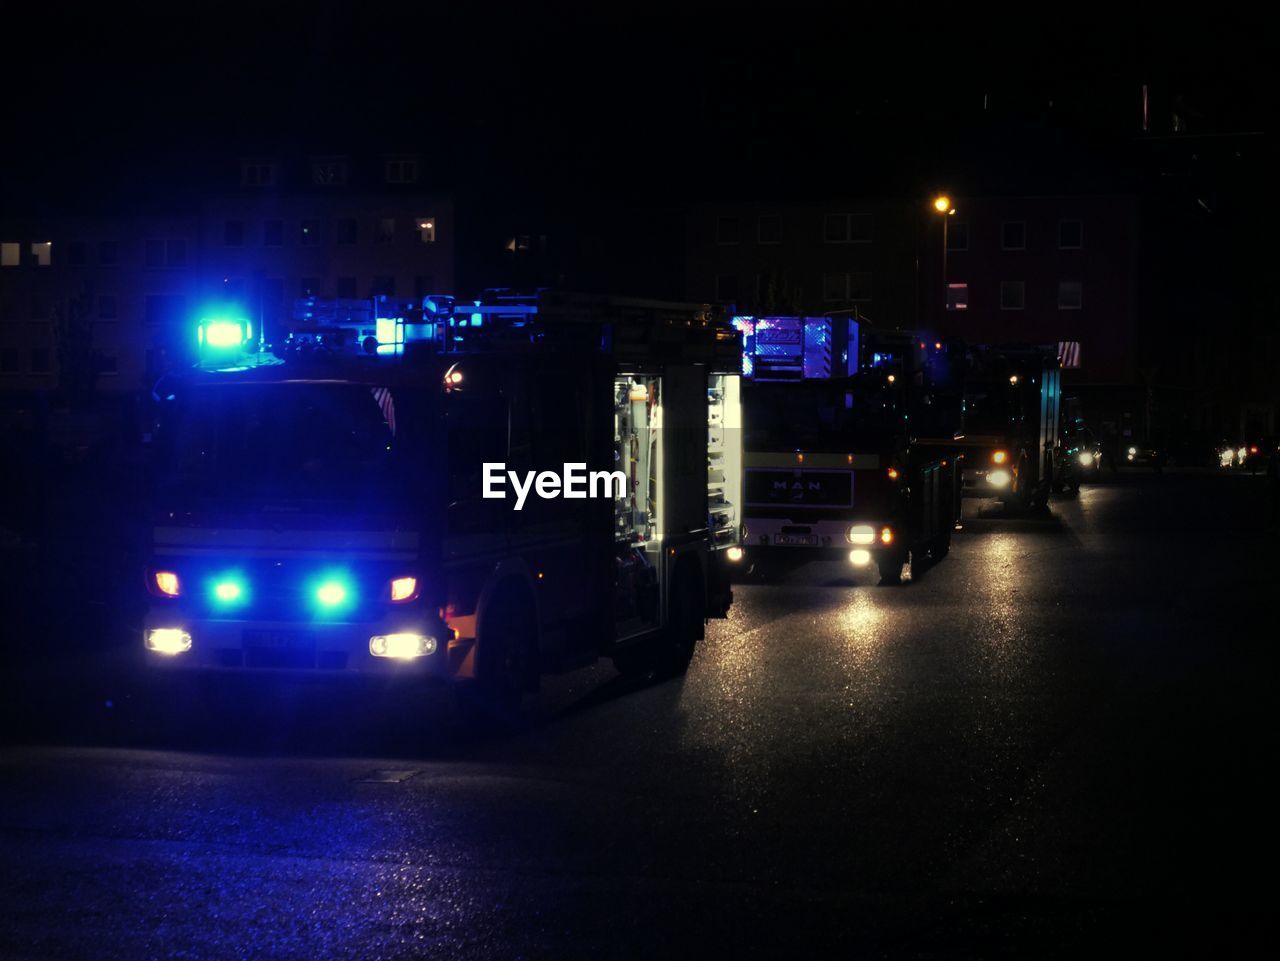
x=168, y=640
x=404, y=589
x=166, y=583
x=401, y=646
x=1132, y=451
x=859, y=557
x=998, y=478
x=1086, y=458
x=735, y=554
x=861, y=534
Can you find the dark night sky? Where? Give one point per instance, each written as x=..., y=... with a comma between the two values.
x=658, y=107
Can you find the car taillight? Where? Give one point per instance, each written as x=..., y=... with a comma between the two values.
x=999, y=457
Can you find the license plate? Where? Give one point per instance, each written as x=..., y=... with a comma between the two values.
x=278, y=640
x=796, y=540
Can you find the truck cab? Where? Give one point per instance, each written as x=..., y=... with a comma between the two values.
x=1012, y=397
x=838, y=461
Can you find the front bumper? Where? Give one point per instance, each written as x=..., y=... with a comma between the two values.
x=321, y=649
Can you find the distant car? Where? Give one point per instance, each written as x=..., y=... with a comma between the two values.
x=1256, y=454
x=1078, y=459
x=1144, y=454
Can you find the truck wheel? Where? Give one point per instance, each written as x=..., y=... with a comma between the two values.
x=940, y=545
x=890, y=567
x=506, y=664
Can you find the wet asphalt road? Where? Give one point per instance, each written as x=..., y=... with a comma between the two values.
x=1055, y=742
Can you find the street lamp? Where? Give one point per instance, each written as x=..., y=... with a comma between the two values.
x=942, y=204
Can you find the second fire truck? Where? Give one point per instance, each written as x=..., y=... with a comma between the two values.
x=849, y=445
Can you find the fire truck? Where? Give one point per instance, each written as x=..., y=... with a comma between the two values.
x=849, y=445
x=348, y=502
x=1012, y=396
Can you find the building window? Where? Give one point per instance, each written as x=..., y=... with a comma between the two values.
x=77, y=253
x=402, y=171
x=1070, y=234
x=107, y=306
x=769, y=229
x=427, y=230
x=424, y=285
x=1013, y=295
x=309, y=233
x=346, y=288
x=309, y=287
x=726, y=288
x=348, y=231
x=39, y=360
x=957, y=296
x=846, y=229
x=328, y=172
x=273, y=233
x=728, y=230
x=844, y=287
x=386, y=230
x=108, y=253
x=258, y=174
x=1013, y=235
x=233, y=233
x=42, y=253
x=9, y=360
x=1070, y=295
x=957, y=235
x=384, y=285
x=166, y=253
x=11, y=255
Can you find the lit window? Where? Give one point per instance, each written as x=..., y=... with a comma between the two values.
x=1070, y=295
x=42, y=253
x=957, y=296
x=1013, y=295
x=1013, y=235
x=427, y=230
x=10, y=255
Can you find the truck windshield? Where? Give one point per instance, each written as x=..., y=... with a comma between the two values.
x=834, y=416
x=990, y=407
x=258, y=444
